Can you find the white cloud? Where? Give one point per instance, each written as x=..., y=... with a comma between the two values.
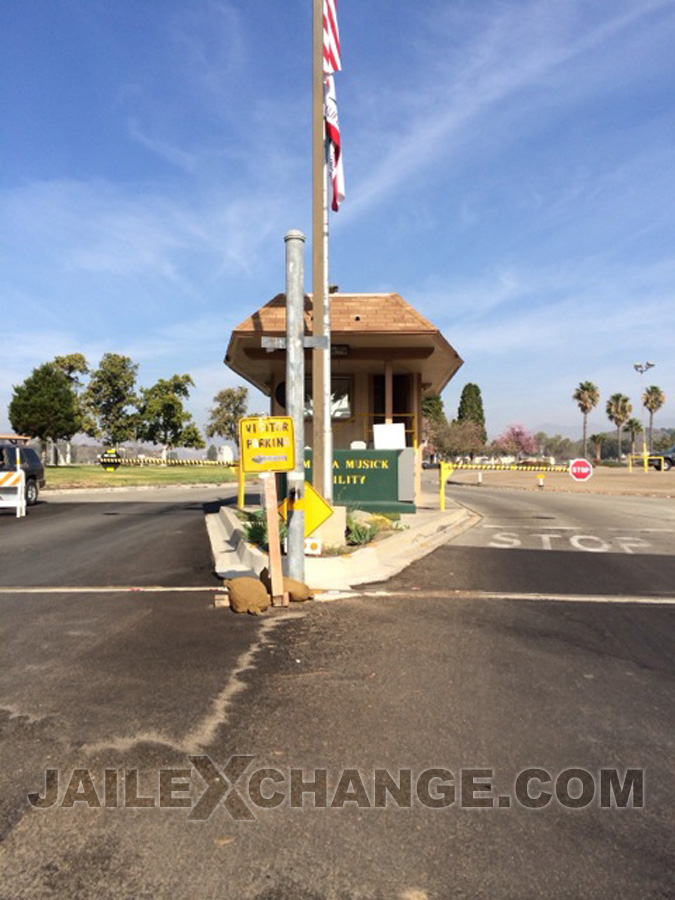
x=521, y=63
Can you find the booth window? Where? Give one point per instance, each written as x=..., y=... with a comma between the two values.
x=341, y=397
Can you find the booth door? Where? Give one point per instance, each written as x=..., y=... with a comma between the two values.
x=402, y=402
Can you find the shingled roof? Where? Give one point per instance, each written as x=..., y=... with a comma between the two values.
x=369, y=328
x=350, y=313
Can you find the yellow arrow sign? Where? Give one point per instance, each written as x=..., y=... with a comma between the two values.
x=316, y=509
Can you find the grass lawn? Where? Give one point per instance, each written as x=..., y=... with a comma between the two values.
x=95, y=476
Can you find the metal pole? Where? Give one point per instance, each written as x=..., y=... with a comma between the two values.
x=295, y=398
x=326, y=352
x=641, y=368
x=321, y=381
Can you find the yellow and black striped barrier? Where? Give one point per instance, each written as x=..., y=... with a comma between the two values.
x=446, y=470
x=153, y=461
x=514, y=467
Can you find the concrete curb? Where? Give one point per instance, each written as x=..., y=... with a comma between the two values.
x=380, y=561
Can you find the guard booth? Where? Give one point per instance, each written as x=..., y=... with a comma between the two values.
x=385, y=356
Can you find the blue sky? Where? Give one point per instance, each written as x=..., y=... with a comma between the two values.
x=510, y=170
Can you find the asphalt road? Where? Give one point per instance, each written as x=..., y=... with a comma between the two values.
x=110, y=538
x=430, y=674
x=86, y=665
x=576, y=544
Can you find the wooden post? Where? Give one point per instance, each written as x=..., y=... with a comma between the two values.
x=279, y=598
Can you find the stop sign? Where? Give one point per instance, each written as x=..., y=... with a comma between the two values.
x=581, y=469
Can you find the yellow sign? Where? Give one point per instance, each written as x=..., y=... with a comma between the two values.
x=316, y=509
x=267, y=444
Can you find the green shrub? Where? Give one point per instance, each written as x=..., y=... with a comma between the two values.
x=255, y=529
x=359, y=533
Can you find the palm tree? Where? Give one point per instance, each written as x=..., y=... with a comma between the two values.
x=653, y=399
x=618, y=411
x=587, y=396
x=597, y=440
x=634, y=427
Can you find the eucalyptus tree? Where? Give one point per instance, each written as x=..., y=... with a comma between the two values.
x=653, y=399
x=110, y=397
x=162, y=418
x=618, y=409
x=587, y=397
x=230, y=407
x=73, y=365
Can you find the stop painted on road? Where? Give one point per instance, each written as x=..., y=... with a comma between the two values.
x=589, y=543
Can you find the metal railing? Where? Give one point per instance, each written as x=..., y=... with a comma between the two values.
x=645, y=459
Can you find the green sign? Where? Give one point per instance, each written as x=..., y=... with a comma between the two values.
x=374, y=480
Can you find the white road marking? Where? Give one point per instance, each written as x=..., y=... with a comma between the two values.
x=590, y=543
x=533, y=527
x=541, y=525
x=505, y=539
x=517, y=595
x=108, y=589
x=587, y=543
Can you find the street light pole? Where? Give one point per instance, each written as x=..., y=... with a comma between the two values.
x=641, y=368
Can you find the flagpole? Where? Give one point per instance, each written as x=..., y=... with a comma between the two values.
x=321, y=376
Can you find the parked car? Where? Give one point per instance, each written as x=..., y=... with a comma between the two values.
x=666, y=463
x=31, y=465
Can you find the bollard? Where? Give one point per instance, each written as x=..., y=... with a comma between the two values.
x=445, y=470
x=540, y=480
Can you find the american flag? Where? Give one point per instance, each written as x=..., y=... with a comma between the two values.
x=331, y=38
x=331, y=64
